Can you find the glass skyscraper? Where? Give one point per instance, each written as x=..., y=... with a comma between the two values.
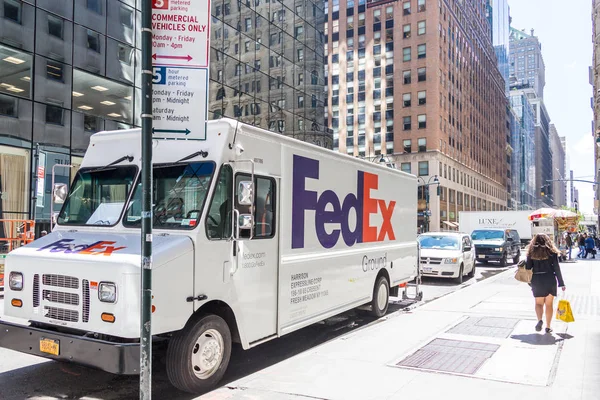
x=69, y=68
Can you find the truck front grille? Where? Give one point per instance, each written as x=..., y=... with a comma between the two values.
x=483, y=250
x=61, y=314
x=86, y=300
x=62, y=281
x=36, y=290
x=431, y=260
x=71, y=299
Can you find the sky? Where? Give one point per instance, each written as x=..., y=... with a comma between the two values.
x=565, y=33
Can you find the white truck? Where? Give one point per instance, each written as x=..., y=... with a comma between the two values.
x=518, y=220
x=255, y=236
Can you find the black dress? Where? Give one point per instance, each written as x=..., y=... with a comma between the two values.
x=546, y=273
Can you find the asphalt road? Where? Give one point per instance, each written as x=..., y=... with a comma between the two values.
x=28, y=377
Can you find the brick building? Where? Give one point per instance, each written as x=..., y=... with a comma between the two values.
x=418, y=82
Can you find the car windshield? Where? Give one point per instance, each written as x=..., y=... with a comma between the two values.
x=487, y=235
x=439, y=242
x=97, y=196
x=179, y=192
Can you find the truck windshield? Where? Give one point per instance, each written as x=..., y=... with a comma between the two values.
x=97, y=196
x=179, y=192
x=487, y=235
x=439, y=242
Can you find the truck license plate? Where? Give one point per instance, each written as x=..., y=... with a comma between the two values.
x=49, y=346
x=427, y=269
x=481, y=256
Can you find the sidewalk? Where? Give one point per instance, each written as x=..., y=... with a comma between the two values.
x=476, y=343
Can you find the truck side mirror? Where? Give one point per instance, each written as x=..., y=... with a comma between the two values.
x=59, y=193
x=246, y=193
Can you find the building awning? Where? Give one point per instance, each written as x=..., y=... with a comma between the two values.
x=450, y=224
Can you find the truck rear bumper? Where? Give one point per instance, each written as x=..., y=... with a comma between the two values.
x=116, y=358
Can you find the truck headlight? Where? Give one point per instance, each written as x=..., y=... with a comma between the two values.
x=450, y=260
x=107, y=292
x=15, y=281
x=499, y=249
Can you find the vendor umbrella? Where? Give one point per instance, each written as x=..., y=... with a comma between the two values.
x=543, y=213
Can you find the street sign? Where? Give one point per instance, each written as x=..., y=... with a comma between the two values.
x=180, y=32
x=179, y=101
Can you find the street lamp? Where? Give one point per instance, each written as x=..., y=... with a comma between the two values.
x=425, y=186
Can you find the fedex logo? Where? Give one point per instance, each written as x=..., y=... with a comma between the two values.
x=330, y=209
x=66, y=246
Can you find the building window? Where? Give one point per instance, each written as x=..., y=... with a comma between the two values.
x=54, y=71
x=423, y=168
x=407, y=146
x=422, y=121
x=300, y=54
x=300, y=101
x=126, y=17
x=299, y=31
x=422, y=145
x=406, y=100
x=389, y=13
x=422, y=74
x=376, y=16
x=421, y=28
x=406, y=30
x=405, y=167
x=90, y=123
x=422, y=96
x=124, y=54
x=421, y=5
x=361, y=19
x=421, y=51
x=248, y=24
x=406, y=7
x=406, y=76
x=54, y=115
x=406, y=123
x=13, y=10
x=95, y=6
x=55, y=26
x=93, y=40
x=406, y=54
x=350, y=23
x=8, y=106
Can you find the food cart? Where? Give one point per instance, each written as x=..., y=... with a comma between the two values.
x=554, y=223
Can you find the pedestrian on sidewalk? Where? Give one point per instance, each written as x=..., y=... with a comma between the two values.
x=589, y=247
x=542, y=258
x=569, y=242
x=581, y=242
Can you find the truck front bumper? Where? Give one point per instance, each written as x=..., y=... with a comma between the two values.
x=116, y=358
x=489, y=257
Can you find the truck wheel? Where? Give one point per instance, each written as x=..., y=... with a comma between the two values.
x=503, y=260
x=198, y=355
x=517, y=258
x=381, y=297
x=459, y=278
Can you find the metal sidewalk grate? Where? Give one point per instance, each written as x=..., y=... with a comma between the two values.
x=485, y=326
x=454, y=356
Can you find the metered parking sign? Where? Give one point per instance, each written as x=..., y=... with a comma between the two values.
x=179, y=102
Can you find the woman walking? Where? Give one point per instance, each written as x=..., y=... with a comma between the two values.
x=542, y=257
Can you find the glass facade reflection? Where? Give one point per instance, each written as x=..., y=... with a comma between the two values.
x=70, y=68
x=522, y=134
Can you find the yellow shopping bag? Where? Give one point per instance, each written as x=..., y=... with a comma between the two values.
x=564, y=312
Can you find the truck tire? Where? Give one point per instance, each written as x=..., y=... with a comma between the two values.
x=381, y=297
x=198, y=355
x=503, y=260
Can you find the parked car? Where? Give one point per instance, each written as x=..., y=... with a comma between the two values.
x=497, y=245
x=447, y=255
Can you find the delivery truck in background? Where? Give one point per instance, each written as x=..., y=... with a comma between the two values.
x=256, y=235
x=518, y=220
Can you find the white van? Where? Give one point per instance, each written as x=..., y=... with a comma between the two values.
x=255, y=236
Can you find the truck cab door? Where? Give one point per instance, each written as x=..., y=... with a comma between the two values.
x=257, y=257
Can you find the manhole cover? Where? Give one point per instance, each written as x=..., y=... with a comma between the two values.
x=454, y=356
x=485, y=326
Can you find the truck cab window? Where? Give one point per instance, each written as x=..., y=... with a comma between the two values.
x=97, y=196
x=218, y=219
x=179, y=192
x=264, y=207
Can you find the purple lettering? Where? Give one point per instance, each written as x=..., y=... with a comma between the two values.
x=323, y=216
x=302, y=199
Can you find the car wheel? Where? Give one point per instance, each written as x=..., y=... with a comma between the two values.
x=517, y=258
x=472, y=272
x=503, y=260
x=461, y=272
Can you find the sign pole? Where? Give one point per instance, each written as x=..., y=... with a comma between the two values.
x=146, y=259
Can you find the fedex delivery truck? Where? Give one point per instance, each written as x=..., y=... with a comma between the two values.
x=255, y=236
